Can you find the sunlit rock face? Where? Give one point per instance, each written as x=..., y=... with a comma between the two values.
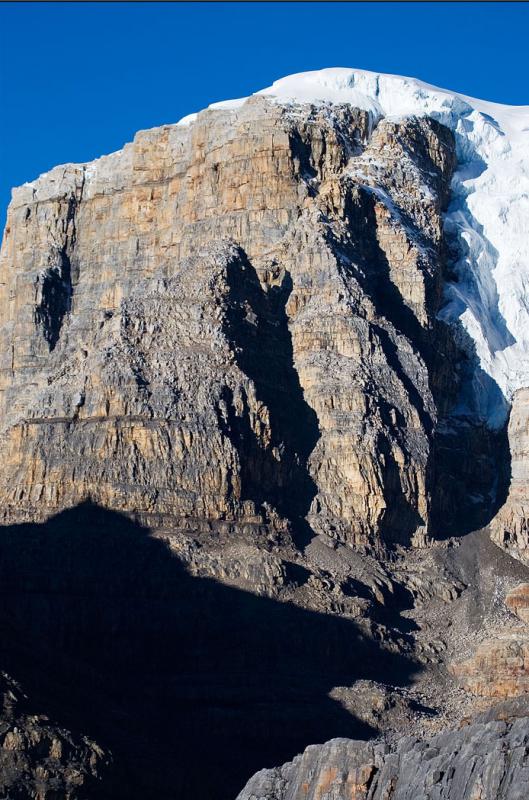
x=233, y=322
x=485, y=761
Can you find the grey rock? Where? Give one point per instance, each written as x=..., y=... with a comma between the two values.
x=487, y=761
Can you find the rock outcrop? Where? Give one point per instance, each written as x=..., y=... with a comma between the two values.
x=486, y=761
x=499, y=667
x=39, y=759
x=517, y=601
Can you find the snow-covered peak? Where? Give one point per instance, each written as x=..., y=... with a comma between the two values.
x=488, y=216
x=384, y=95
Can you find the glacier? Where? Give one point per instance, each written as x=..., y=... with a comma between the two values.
x=487, y=219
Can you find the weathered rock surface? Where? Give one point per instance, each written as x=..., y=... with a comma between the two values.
x=486, y=761
x=39, y=759
x=498, y=668
x=517, y=600
x=510, y=528
x=235, y=322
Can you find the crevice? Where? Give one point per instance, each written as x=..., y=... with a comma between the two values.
x=55, y=298
x=55, y=284
x=274, y=471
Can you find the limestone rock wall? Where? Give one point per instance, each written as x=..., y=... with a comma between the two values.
x=233, y=322
x=499, y=668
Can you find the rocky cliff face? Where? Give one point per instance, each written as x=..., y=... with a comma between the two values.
x=236, y=439
x=510, y=528
x=235, y=322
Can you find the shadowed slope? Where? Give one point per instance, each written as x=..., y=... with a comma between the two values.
x=191, y=684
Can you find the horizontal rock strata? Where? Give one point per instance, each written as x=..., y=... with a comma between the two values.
x=235, y=322
x=498, y=668
x=517, y=601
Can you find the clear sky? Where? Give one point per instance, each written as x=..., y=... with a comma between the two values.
x=78, y=79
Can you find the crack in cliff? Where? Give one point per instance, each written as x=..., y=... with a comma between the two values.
x=257, y=327
x=55, y=284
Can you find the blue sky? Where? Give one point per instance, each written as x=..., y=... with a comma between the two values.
x=78, y=79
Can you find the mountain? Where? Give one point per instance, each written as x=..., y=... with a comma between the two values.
x=264, y=387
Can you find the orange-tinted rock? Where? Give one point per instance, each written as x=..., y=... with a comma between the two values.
x=499, y=668
x=517, y=601
x=227, y=323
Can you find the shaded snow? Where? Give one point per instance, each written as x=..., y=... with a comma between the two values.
x=488, y=216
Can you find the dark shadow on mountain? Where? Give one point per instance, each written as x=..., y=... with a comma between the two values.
x=56, y=286
x=388, y=612
x=191, y=684
x=55, y=299
x=275, y=472
x=400, y=517
x=362, y=258
x=302, y=153
x=470, y=461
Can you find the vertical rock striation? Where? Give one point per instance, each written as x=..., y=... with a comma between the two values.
x=486, y=761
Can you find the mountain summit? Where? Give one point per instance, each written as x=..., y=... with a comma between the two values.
x=264, y=384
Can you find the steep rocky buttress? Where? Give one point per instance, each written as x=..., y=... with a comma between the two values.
x=242, y=449
x=236, y=322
